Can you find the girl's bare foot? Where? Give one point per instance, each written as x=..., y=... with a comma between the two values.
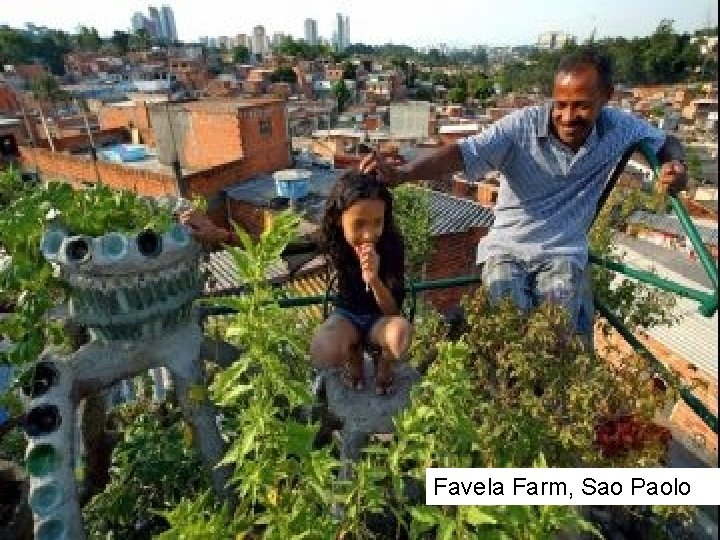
x=384, y=376
x=353, y=375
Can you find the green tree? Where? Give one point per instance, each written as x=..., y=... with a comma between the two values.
x=140, y=40
x=361, y=49
x=349, y=71
x=241, y=54
x=51, y=49
x=480, y=87
x=46, y=88
x=424, y=93
x=457, y=94
x=412, y=213
x=342, y=94
x=87, y=39
x=15, y=47
x=121, y=41
x=695, y=171
x=284, y=74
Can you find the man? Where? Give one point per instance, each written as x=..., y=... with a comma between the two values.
x=556, y=158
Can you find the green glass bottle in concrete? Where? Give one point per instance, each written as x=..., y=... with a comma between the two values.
x=42, y=460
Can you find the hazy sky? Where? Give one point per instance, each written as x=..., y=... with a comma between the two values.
x=454, y=22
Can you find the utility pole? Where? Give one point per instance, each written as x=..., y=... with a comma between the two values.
x=93, y=150
x=45, y=127
x=177, y=169
x=31, y=136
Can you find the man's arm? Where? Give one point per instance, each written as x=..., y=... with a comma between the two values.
x=673, y=173
x=444, y=160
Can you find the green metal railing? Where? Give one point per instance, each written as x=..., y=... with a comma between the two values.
x=708, y=302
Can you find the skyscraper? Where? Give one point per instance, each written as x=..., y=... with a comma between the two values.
x=346, y=33
x=339, y=32
x=259, y=40
x=155, y=28
x=277, y=39
x=138, y=21
x=311, y=32
x=167, y=18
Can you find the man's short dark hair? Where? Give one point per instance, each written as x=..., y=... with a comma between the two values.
x=592, y=57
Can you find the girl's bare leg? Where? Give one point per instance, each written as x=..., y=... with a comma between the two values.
x=337, y=344
x=393, y=335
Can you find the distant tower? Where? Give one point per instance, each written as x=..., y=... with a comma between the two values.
x=167, y=20
x=138, y=21
x=155, y=27
x=311, y=32
x=340, y=32
x=346, y=32
x=259, y=41
x=277, y=39
x=243, y=40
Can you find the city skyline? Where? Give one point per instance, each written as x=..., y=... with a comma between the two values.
x=459, y=23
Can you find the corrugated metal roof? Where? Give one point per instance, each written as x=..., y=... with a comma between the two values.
x=695, y=337
x=669, y=259
x=451, y=214
x=223, y=278
x=669, y=223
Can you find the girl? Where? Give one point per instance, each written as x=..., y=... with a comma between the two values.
x=366, y=252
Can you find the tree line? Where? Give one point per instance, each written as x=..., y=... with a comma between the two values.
x=665, y=57
x=22, y=47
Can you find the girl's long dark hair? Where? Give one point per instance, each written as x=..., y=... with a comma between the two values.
x=350, y=188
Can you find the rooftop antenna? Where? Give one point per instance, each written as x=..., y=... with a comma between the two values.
x=31, y=136
x=47, y=130
x=91, y=140
x=177, y=170
x=591, y=39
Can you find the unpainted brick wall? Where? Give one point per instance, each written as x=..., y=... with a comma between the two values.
x=76, y=170
x=249, y=217
x=453, y=255
x=125, y=117
x=82, y=141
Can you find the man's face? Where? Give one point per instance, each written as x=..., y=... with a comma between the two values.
x=577, y=101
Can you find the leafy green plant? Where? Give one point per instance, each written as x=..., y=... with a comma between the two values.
x=510, y=377
x=153, y=468
x=412, y=213
x=636, y=304
x=283, y=484
x=27, y=282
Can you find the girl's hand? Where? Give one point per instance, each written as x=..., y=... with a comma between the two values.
x=369, y=263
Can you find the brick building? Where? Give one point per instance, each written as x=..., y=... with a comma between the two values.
x=484, y=192
x=9, y=101
x=218, y=143
x=131, y=115
x=192, y=73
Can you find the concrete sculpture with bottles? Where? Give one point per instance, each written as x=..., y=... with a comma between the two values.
x=134, y=293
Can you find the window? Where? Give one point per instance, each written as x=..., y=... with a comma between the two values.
x=265, y=126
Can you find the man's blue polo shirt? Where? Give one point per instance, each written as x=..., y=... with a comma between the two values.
x=547, y=204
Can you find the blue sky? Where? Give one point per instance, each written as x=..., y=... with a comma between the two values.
x=454, y=22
